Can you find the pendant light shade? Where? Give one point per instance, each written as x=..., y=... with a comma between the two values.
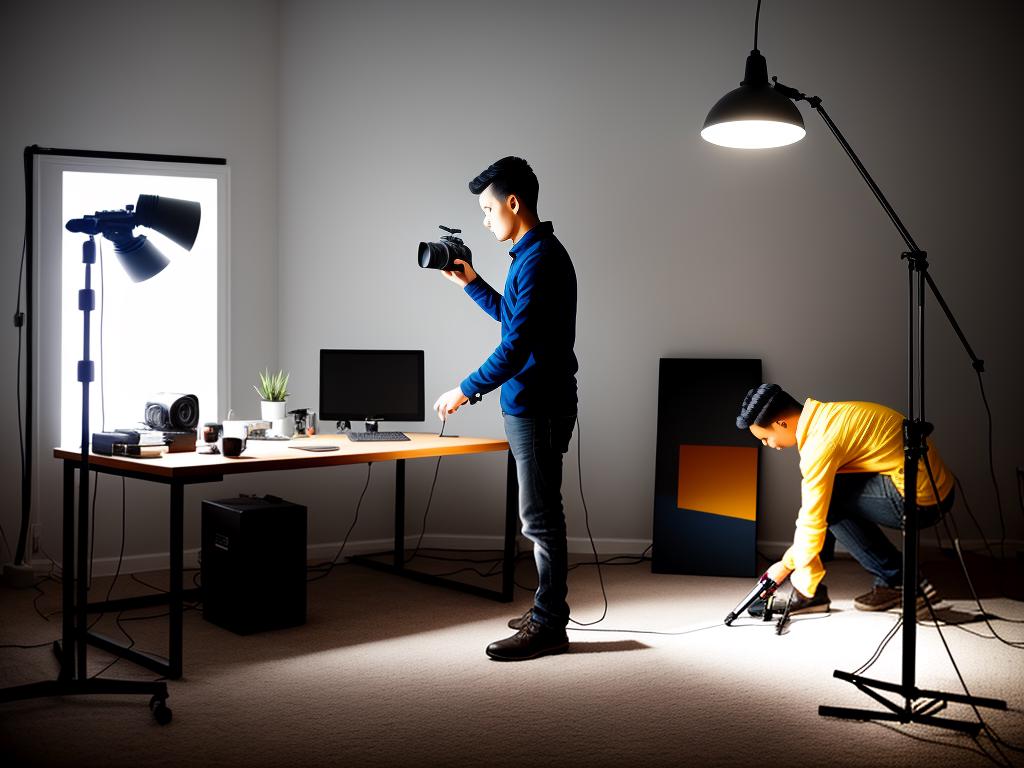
x=755, y=115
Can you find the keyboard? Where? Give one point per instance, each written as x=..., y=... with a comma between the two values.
x=376, y=437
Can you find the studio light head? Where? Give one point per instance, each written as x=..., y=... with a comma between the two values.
x=757, y=115
x=442, y=255
x=177, y=220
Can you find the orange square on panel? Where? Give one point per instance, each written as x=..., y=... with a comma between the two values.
x=718, y=479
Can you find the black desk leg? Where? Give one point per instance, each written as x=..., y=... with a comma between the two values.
x=66, y=651
x=397, y=564
x=80, y=573
x=170, y=667
x=508, y=571
x=72, y=680
x=399, y=559
x=177, y=537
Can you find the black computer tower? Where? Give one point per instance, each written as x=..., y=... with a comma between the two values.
x=253, y=563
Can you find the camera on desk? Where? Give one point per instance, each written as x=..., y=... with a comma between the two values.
x=172, y=411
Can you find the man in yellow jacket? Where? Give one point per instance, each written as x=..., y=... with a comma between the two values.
x=851, y=461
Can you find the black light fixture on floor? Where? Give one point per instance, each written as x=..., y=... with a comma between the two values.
x=759, y=115
x=178, y=220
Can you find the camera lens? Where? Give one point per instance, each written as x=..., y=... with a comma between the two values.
x=442, y=255
x=433, y=255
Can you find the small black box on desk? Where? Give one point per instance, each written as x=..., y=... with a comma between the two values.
x=254, y=563
x=177, y=441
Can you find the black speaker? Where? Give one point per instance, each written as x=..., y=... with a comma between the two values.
x=254, y=563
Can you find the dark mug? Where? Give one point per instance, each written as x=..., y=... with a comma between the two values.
x=232, y=446
x=211, y=432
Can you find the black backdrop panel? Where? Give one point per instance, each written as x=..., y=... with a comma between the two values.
x=698, y=400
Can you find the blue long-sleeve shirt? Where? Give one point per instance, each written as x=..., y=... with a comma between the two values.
x=534, y=364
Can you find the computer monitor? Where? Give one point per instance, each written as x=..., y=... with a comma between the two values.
x=371, y=384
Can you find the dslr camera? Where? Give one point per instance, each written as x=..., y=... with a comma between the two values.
x=442, y=255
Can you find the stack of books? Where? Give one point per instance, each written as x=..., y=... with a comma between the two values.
x=178, y=441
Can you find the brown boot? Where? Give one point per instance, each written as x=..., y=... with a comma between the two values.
x=520, y=621
x=884, y=598
x=532, y=641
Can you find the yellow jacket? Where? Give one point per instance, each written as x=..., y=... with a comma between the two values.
x=847, y=437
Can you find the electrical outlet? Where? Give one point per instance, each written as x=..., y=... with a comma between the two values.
x=35, y=538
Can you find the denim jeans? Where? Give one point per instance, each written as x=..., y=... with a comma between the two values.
x=861, y=502
x=538, y=444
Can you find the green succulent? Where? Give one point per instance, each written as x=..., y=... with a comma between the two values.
x=273, y=387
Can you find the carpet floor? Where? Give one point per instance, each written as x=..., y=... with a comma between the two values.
x=392, y=672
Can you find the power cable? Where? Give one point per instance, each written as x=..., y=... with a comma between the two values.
x=103, y=370
x=586, y=518
x=492, y=572
x=963, y=564
x=120, y=557
x=949, y=744
x=355, y=519
x=7, y=546
x=967, y=507
x=877, y=654
x=985, y=726
x=430, y=497
x=19, y=323
x=992, y=468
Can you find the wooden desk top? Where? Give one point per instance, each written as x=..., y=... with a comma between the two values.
x=274, y=455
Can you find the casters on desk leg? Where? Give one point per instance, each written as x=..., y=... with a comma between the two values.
x=161, y=712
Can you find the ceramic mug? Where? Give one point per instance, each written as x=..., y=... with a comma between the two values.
x=232, y=447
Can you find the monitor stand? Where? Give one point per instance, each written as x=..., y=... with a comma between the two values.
x=370, y=425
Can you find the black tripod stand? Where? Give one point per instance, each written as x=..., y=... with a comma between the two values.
x=918, y=705
x=73, y=678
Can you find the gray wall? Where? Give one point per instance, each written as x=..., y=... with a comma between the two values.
x=682, y=248
x=191, y=78
x=351, y=129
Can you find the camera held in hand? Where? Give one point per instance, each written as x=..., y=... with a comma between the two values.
x=442, y=255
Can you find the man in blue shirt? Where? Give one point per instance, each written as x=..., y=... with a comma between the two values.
x=535, y=366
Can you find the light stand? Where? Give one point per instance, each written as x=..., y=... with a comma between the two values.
x=178, y=220
x=739, y=119
x=918, y=704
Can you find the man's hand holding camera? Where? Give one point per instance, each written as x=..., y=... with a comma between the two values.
x=463, y=278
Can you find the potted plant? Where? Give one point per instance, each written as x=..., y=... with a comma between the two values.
x=273, y=390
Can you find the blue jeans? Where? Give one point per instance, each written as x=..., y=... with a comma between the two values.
x=861, y=502
x=538, y=444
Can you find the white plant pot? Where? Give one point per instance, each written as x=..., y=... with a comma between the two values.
x=272, y=410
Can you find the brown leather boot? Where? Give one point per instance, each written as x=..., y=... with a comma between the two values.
x=520, y=621
x=532, y=641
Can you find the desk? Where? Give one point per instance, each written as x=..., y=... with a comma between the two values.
x=177, y=470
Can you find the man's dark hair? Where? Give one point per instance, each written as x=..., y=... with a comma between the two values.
x=510, y=176
x=766, y=404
